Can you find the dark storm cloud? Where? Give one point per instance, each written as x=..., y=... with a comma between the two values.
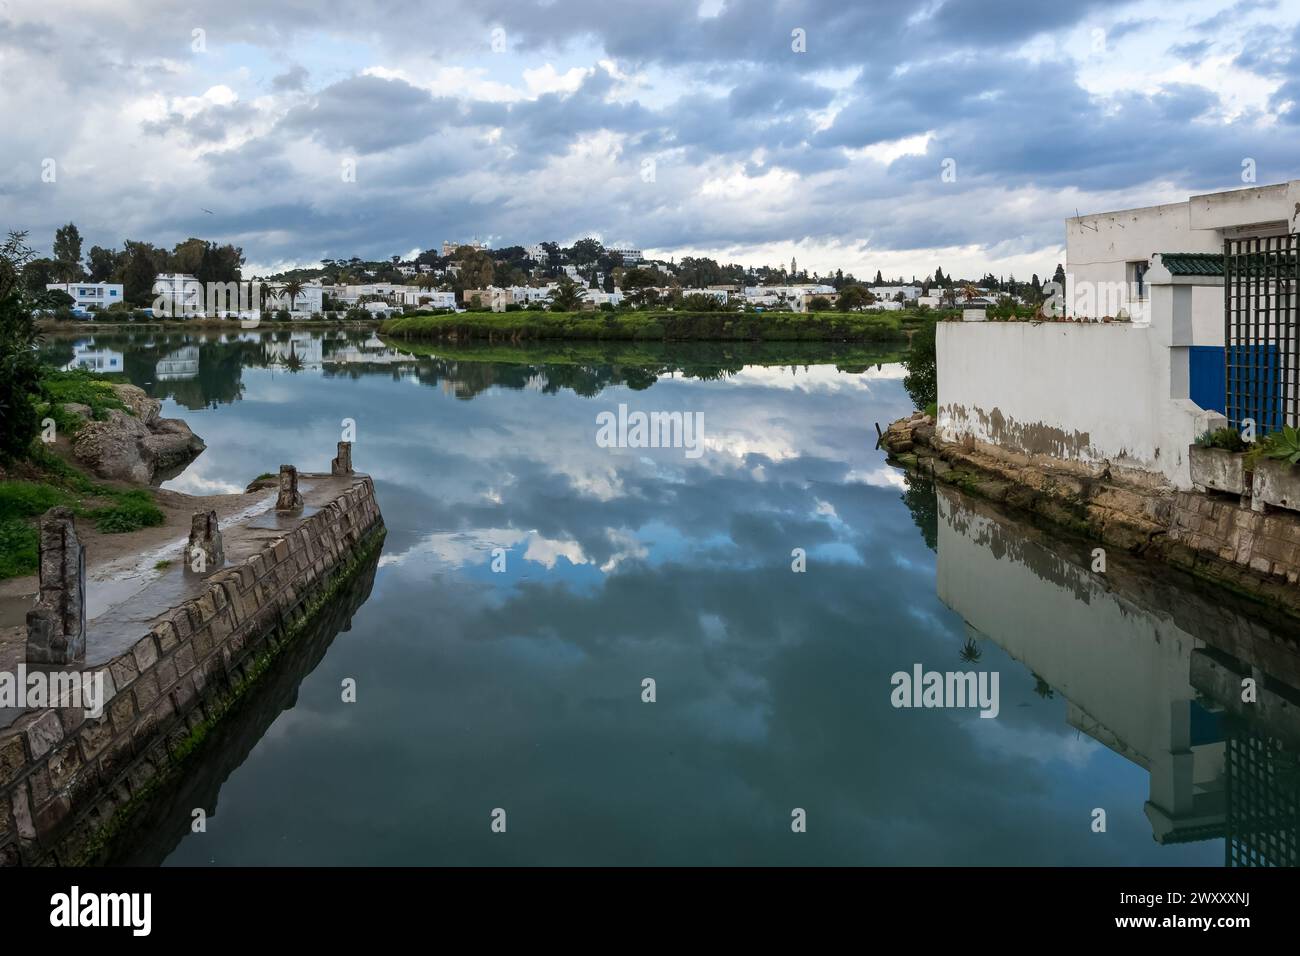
x=369, y=114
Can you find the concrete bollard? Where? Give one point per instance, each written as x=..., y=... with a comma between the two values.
x=342, y=465
x=56, y=626
x=289, y=498
x=204, y=552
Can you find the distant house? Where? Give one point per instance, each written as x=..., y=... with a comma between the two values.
x=178, y=294
x=90, y=295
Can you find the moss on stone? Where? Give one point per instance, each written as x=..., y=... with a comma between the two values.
x=225, y=703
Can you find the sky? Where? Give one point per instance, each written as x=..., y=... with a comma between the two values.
x=892, y=136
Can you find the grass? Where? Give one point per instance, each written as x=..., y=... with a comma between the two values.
x=660, y=355
x=82, y=387
x=22, y=502
x=664, y=326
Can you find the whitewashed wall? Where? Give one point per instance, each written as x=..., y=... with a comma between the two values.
x=1083, y=392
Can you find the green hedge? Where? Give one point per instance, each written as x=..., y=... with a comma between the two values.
x=662, y=326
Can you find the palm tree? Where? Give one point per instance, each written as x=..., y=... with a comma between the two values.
x=426, y=281
x=567, y=297
x=291, y=290
x=970, y=651
x=969, y=292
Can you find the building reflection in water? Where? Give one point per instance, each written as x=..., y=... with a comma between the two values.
x=1151, y=664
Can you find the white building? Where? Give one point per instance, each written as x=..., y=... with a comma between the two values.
x=177, y=293
x=1107, y=254
x=910, y=292
x=598, y=298
x=310, y=298
x=90, y=295
x=428, y=298
x=719, y=295
x=630, y=256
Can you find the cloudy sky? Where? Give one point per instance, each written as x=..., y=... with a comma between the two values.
x=750, y=130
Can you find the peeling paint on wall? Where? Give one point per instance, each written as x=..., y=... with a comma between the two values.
x=1030, y=438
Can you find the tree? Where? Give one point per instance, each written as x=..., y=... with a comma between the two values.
x=104, y=263
x=1059, y=277
x=291, y=290
x=819, y=303
x=140, y=272
x=854, y=297
x=38, y=273
x=567, y=296
x=19, y=368
x=67, y=252
x=922, y=381
x=879, y=279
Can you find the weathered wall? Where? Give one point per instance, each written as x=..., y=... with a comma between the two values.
x=1092, y=393
x=64, y=778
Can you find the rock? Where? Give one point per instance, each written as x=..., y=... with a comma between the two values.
x=172, y=443
x=138, y=403
x=83, y=412
x=125, y=448
x=113, y=448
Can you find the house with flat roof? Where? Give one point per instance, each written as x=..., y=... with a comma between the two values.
x=1107, y=254
x=90, y=295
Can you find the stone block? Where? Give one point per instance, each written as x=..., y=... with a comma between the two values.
x=289, y=498
x=204, y=552
x=342, y=463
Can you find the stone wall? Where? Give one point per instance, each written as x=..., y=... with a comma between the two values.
x=67, y=782
x=1213, y=536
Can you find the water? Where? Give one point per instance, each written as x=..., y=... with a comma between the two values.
x=522, y=690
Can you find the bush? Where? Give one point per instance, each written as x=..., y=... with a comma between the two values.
x=922, y=381
x=1226, y=438
x=132, y=510
x=19, y=368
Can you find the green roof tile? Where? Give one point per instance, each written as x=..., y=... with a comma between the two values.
x=1193, y=263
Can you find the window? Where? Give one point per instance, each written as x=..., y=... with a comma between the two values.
x=1137, y=272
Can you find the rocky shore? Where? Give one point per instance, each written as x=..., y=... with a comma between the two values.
x=136, y=445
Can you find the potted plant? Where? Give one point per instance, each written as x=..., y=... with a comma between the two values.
x=1218, y=461
x=1276, y=479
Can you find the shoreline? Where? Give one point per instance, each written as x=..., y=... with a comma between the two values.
x=1208, y=535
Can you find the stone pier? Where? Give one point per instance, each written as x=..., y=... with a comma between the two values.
x=56, y=626
x=342, y=465
x=174, y=659
x=204, y=552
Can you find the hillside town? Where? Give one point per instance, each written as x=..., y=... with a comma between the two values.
x=200, y=278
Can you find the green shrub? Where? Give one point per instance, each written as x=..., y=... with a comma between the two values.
x=922, y=381
x=131, y=511
x=1282, y=445
x=1229, y=439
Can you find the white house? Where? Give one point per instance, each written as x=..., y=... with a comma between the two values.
x=910, y=292
x=90, y=295
x=428, y=298
x=598, y=298
x=1107, y=254
x=630, y=256
x=310, y=298
x=177, y=293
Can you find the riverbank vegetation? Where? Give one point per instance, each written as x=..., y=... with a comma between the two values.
x=656, y=325
x=33, y=478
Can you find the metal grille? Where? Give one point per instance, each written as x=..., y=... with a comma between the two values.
x=1261, y=334
x=1262, y=805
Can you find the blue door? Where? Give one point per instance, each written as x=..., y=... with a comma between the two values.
x=1208, y=379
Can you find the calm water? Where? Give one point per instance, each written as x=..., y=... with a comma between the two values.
x=522, y=690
